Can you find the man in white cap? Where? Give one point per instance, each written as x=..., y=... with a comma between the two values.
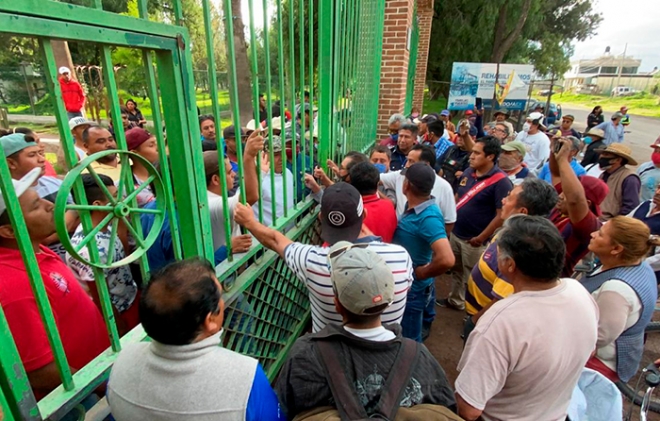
x=79, y=322
x=536, y=142
x=77, y=125
x=72, y=93
x=360, y=351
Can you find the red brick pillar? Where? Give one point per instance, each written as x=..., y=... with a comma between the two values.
x=394, y=64
x=425, y=16
x=394, y=69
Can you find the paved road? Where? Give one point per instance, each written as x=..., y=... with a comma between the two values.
x=643, y=130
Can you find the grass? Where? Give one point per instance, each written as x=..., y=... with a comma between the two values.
x=203, y=100
x=639, y=104
x=433, y=106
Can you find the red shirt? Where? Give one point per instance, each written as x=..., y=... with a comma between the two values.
x=72, y=95
x=381, y=217
x=576, y=236
x=81, y=326
x=49, y=170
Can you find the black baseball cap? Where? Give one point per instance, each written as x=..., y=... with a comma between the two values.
x=341, y=213
x=230, y=132
x=419, y=175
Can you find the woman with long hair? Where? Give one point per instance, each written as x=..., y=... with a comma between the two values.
x=134, y=114
x=625, y=289
x=596, y=117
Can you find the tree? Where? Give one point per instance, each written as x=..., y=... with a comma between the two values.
x=538, y=32
x=243, y=72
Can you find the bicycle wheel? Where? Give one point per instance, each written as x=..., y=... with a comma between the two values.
x=652, y=327
x=636, y=398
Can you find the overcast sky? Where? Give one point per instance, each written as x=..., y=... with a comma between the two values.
x=631, y=21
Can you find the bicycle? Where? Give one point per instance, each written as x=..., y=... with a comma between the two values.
x=651, y=376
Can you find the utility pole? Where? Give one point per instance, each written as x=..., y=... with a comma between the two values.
x=623, y=57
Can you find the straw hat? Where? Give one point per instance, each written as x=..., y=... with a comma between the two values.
x=596, y=132
x=621, y=150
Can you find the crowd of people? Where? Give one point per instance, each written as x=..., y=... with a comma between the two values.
x=509, y=216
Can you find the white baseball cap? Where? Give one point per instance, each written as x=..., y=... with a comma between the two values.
x=21, y=186
x=78, y=121
x=64, y=69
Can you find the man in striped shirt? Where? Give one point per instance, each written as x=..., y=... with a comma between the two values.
x=342, y=217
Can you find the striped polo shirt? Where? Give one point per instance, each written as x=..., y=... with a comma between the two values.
x=310, y=264
x=486, y=282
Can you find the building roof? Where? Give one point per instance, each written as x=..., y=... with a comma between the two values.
x=610, y=61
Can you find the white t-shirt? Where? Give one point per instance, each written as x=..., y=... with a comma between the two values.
x=607, y=353
x=538, y=149
x=218, y=218
x=376, y=334
x=442, y=191
x=310, y=264
x=267, y=196
x=526, y=353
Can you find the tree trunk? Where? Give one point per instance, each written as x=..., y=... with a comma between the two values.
x=242, y=64
x=63, y=56
x=502, y=43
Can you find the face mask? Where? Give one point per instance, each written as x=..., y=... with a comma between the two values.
x=395, y=136
x=587, y=140
x=604, y=163
x=655, y=157
x=526, y=127
x=381, y=168
x=289, y=153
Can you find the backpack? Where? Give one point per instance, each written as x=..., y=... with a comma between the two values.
x=344, y=394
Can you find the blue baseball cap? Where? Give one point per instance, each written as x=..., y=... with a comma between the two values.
x=15, y=142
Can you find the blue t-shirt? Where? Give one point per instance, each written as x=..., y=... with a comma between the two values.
x=475, y=215
x=546, y=176
x=418, y=228
x=161, y=253
x=262, y=404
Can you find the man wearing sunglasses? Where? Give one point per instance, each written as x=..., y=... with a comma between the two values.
x=342, y=219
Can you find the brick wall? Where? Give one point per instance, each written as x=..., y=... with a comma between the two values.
x=425, y=14
x=394, y=66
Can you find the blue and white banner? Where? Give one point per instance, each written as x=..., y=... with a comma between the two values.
x=470, y=81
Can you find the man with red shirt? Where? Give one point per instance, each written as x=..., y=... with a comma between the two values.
x=578, y=209
x=79, y=322
x=72, y=94
x=380, y=214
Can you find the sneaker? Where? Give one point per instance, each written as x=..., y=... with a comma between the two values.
x=443, y=302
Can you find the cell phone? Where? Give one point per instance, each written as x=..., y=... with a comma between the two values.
x=558, y=144
x=479, y=103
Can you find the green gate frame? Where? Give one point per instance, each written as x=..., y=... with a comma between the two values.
x=412, y=62
x=348, y=107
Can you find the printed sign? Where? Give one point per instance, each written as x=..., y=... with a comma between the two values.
x=470, y=81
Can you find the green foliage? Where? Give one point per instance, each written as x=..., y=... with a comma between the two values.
x=641, y=103
x=477, y=30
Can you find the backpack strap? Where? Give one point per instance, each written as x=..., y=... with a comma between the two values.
x=342, y=390
x=397, y=381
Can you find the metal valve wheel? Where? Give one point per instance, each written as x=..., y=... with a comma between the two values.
x=122, y=208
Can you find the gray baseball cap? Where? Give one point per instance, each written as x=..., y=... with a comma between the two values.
x=276, y=144
x=360, y=278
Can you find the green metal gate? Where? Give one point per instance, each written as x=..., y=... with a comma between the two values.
x=412, y=62
x=336, y=59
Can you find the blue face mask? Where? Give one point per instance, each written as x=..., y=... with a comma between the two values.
x=587, y=140
x=395, y=137
x=381, y=168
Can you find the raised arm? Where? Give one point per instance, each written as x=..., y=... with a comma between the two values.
x=576, y=200
x=269, y=238
x=253, y=146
